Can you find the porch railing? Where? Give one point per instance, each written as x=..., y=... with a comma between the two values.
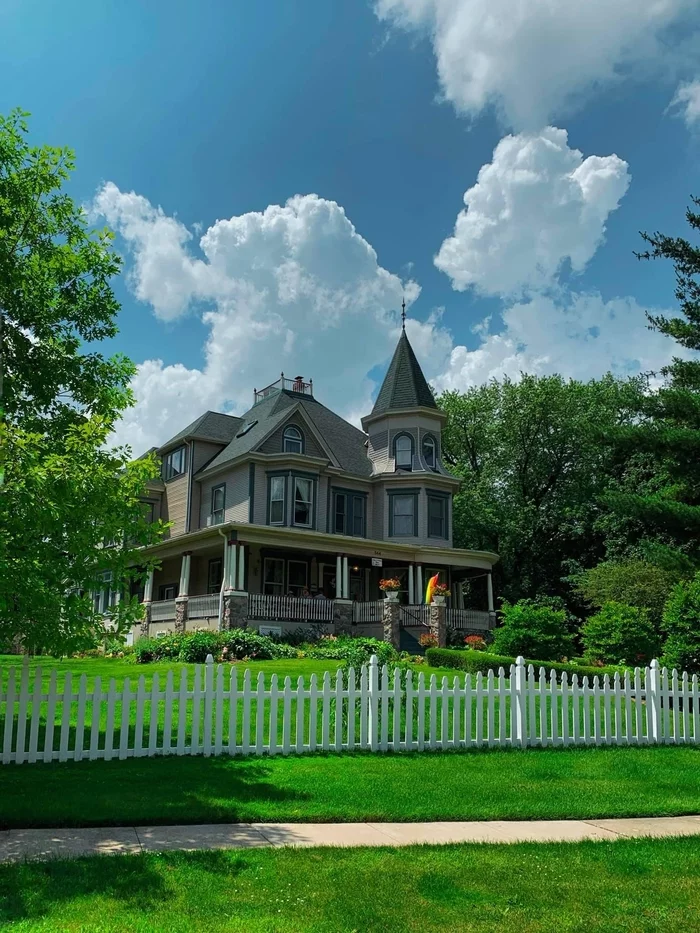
x=289, y=609
x=470, y=619
x=367, y=613
x=162, y=610
x=203, y=607
x=414, y=615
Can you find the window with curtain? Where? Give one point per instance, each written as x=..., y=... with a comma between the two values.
x=277, y=485
x=403, y=451
x=430, y=451
x=303, y=501
x=218, y=504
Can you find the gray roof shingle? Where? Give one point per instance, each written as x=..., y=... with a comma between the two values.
x=211, y=426
x=404, y=385
x=343, y=441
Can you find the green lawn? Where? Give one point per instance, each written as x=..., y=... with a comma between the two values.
x=630, y=886
x=533, y=784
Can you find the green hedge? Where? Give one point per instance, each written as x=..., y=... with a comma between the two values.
x=474, y=661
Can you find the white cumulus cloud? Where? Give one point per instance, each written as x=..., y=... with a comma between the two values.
x=576, y=334
x=293, y=288
x=535, y=205
x=535, y=59
x=687, y=101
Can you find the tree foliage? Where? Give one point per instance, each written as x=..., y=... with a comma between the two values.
x=620, y=634
x=533, y=629
x=682, y=623
x=533, y=472
x=64, y=493
x=665, y=506
x=638, y=583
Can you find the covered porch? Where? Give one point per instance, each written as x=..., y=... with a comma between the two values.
x=291, y=579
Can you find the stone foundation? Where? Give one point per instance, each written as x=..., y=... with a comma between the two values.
x=342, y=616
x=146, y=620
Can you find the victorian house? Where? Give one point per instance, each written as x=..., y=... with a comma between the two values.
x=293, y=515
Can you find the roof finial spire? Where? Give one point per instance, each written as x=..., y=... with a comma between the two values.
x=403, y=313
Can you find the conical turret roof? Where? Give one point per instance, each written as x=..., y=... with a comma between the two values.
x=404, y=385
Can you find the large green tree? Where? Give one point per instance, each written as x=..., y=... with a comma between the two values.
x=65, y=494
x=533, y=473
x=661, y=503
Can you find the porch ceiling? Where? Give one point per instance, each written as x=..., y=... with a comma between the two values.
x=298, y=539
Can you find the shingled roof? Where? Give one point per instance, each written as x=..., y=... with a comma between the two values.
x=211, y=426
x=404, y=385
x=343, y=441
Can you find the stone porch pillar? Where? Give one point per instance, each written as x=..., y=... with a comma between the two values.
x=342, y=616
x=235, y=610
x=437, y=623
x=391, y=617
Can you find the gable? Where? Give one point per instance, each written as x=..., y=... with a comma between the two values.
x=274, y=443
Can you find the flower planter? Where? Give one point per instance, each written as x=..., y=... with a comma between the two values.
x=438, y=600
x=392, y=596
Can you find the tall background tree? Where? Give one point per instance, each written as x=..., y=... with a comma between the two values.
x=64, y=493
x=534, y=472
x=659, y=505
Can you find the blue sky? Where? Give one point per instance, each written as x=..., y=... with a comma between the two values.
x=388, y=111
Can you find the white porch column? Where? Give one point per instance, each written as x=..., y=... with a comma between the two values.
x=241, y=567
x=185, y=574
x=411, y=587
x=148, y=588
x=339, y=577
x=489, y=584
x=367, y=579
x=346, y=579
x=420, y=592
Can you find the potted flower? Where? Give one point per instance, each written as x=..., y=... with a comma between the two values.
x=440, y=591
x=390, y=587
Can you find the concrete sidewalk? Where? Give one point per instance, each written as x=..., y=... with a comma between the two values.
x=19, y=844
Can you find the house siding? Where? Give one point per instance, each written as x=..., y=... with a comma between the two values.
x=175, y=504
x=237, y=495
x=274, y=443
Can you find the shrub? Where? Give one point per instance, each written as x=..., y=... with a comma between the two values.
x=474, y=661
x=239, y=643
x=428, y=640
x=620, y=634
x=533, y=628
x=356, y=650
x=681, y=620
x=195, y=646
x=636, y=583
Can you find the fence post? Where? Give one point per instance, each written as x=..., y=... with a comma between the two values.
x=373, y=703
x=518, y=699
x=654, y=701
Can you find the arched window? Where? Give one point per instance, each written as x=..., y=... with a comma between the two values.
x=403, y=452
x=430, y=451
x=292, y=440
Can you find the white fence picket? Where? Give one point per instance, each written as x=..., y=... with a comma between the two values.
x=519, y=708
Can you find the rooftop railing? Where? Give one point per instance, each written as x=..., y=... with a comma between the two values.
x=297, y=384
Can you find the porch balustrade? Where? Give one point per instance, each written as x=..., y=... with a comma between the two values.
x=163, y=610
x=203, y=607
x=289, y=609
x=470, y=619
x=368, y=613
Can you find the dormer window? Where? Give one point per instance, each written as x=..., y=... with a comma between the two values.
x=293, y=441
x=403, y=452
x=430, y=451
x=174, y=463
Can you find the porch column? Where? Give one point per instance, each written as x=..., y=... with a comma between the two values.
x=346, y=579
x=146, y=603
x=182, y=599
x=339, y=577
x=411, y=587
x=419, y=584
x=391, y=622
x=230, y=570
x=489, y=586
x=459, y=594
x=241, y=568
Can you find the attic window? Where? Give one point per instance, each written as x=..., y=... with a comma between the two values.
x=246, y=428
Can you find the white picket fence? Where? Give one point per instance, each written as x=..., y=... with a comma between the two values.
x=221, y=713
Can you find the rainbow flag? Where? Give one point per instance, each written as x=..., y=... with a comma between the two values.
x=429, y=590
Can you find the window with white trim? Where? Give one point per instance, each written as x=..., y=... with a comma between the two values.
x=303, y=501
x=403, y=511
x=218, y=504
x=293, y=442
x=430, y=451
x=403, y=452
x=437, y=516
x=174, y=463
x=277, y=487
x=273, y=576
x=215, y=575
